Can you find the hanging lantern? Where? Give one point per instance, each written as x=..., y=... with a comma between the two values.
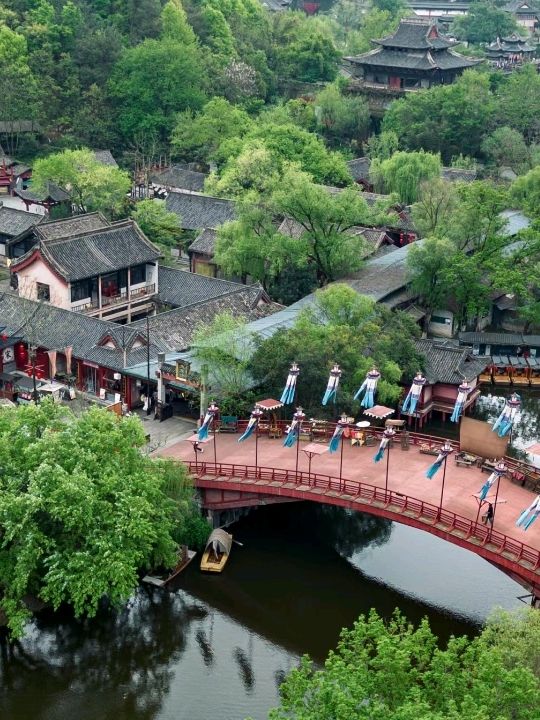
x=287, y=396
x=411, y=401
x=332, y=386
x=508, y=416
x=370, y=386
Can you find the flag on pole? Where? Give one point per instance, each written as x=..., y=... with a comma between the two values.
x=444, y=452
x=508, y=416
x=370, y=386
x=463, y=391
x=411, y=401
x=287, y=396
x=332, y=386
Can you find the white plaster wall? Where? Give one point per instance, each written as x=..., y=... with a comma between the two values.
x=39, y=272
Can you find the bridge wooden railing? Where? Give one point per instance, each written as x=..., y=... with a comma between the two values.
x=513, y=554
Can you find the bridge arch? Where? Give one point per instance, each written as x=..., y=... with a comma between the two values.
x=513, y=557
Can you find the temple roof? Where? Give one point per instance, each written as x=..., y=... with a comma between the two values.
x=511, y=44
x=416, y=34
x=428, y=60
x=13, y=222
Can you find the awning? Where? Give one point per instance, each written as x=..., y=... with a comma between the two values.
x=379, y=411
x=269, y=404
x=315, y=449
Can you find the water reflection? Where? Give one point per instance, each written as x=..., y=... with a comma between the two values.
x=527, y=428
x=219, y=646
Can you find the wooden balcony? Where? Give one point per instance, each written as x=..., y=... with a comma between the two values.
x=120, y=301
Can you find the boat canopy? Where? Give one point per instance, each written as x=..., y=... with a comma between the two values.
x=219, y=539
x=519, y=362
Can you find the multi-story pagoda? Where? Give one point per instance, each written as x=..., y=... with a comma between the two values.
x=416, y=56
x=509, y=52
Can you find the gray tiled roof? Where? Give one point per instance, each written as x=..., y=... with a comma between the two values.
x=14, y=222
x=180, y=288
x=54, y=329
x=414, y=34
x=382, y=276
x=117, y=246
x=68, y=227
x=291, y=228
x=180, y=177
x=174, y=329
x=200, y=211
x=359, y=168
x=458, y=174
x=204, y=243
x=52, y=193
x=105, y=157
x=498, y=338
x=450, y=364
x=429, y=60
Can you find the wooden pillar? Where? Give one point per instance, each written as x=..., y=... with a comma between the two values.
x=80, y=374
x=128, y=289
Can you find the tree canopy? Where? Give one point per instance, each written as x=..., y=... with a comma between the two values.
x=341, y=326
x=403, y=172
x=91, y=184
x=82, y=510
x=396, y=671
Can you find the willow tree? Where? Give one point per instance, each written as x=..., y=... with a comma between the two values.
x=82, y=510
x=404, y=172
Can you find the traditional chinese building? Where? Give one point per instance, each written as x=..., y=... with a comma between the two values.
x=415, y=57
x=109, y=271
x=509, y=52
x=13, y=174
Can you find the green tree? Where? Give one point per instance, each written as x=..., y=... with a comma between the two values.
x=506, y=147
x=341, y=326
x=224, y=346
x=404, y=171
x=292, y=144
x=427, y=263
x=484, y=23
x=376, y=23
x=436, y=202
x=525, y=192
x=255, y=169
x=449, y=119
x=158, y=224
x=303, y=48
x=341, y=119
x=518, y=102
x=147, y=99
x=197, y=136
x=82, y=510
x=92, y=185
x=396, y=671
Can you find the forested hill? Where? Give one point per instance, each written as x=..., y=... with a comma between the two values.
x=106, y=73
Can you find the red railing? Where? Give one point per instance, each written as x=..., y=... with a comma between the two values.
x=504, y=550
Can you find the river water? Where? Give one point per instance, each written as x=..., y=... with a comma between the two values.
x=218, y=647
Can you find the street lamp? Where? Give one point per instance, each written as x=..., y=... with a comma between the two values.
x=500, y=470
x=343, y=422
x=447, y=449
x=213, y=410
x=253, y=426
x=293, y=436
x=386, y=444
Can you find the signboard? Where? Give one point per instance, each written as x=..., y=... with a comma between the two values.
x=182, y=370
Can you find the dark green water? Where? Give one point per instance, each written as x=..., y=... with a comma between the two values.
x=218, y=647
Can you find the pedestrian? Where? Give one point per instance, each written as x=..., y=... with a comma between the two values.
x=197, y=447
x=488, y=516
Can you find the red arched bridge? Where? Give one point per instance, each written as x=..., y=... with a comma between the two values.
x=229, y=477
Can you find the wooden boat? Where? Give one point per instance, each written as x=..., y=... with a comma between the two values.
x=217, y=551
x=534, y=373
x=501, y=370
x=520, y=370
x=185, y=556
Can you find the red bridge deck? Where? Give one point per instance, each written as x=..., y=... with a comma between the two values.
x=411, y=499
